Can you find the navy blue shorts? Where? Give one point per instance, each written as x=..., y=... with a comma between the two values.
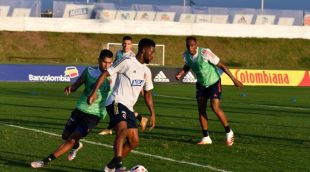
x=119, y=112
x=82, y=122
x=212, y=92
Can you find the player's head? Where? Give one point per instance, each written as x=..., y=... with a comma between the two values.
x=146, y=47
x=191, y=45
x=105, y=59
x=127, y=43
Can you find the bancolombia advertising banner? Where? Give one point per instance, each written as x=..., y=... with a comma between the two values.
x=39, y=73
x=61, y=73
x=269, y=77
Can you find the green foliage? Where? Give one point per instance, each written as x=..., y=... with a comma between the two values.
x=271, y=126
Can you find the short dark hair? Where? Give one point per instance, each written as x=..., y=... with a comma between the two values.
x=145, y=42
x=191, y=38
x=105, y=54
x=127, y=38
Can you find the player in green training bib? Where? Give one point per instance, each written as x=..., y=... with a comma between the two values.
x=205, y=65
x=84, y=117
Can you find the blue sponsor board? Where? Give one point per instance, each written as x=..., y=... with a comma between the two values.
x=39, y=73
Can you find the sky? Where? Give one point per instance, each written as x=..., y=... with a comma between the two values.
x=268, y=4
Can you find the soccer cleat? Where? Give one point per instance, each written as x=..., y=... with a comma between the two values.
x=230, y=138
x=122, y=169
x=143, y=123
x=205, y=141
x=107, y=169
x=73, y=152
x=105, y=132
x=37, y=164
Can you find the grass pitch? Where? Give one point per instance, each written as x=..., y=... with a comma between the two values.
x=271, y=126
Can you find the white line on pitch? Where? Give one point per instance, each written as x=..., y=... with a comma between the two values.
x=135, y=152
x=270, y=106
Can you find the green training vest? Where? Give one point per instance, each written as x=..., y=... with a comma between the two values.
x=206, y=72
x=98, y=107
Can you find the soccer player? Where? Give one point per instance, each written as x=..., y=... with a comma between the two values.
x=205, y=65
x=126, y=51
x=84, y=117
x=132, y=76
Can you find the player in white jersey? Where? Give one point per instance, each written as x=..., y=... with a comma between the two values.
x=132, y=76
x=127, y=52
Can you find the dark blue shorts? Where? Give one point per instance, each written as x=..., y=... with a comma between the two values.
x=119, y=112
x=82, y=122
x=212, y=92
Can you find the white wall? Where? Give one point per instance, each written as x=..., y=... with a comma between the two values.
x=151, y=27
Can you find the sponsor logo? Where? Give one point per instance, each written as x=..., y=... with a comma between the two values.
x=78, y=11
x=107, y=14
x=145, y=16
x=165, y=17
x=262, y=77
x=137, y=82
x=161, y=77
x=189, y=78
x=242, y=20
x=125, y=16
x=307, y=20
x=265, y=20
x=124, y=114
x=71, y=71
x=48, y=78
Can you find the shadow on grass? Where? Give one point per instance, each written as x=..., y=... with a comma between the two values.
x=34, y=106
x=245, y=138
x=34, y=124
x=6, y=160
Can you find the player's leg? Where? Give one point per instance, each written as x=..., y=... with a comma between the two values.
x=203, y=117
x=85, y=126
x=132, y=135
x=68, y=130
x=72, y=140
x=215, y=104
x=132, y=141
x=120, y=136
x=216, y=92
x=119, y=123
x=143, y=124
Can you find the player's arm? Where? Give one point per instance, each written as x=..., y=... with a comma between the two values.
x=112, y=70
x=80, y=81
x=184, y=70
x=148, y=98
x=99, y=82
x=231, y=76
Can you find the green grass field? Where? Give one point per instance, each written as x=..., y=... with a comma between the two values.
x=272, y=126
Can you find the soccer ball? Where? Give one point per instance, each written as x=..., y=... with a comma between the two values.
x=138, y=168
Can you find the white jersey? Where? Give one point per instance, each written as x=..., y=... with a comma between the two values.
x=132, y=77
